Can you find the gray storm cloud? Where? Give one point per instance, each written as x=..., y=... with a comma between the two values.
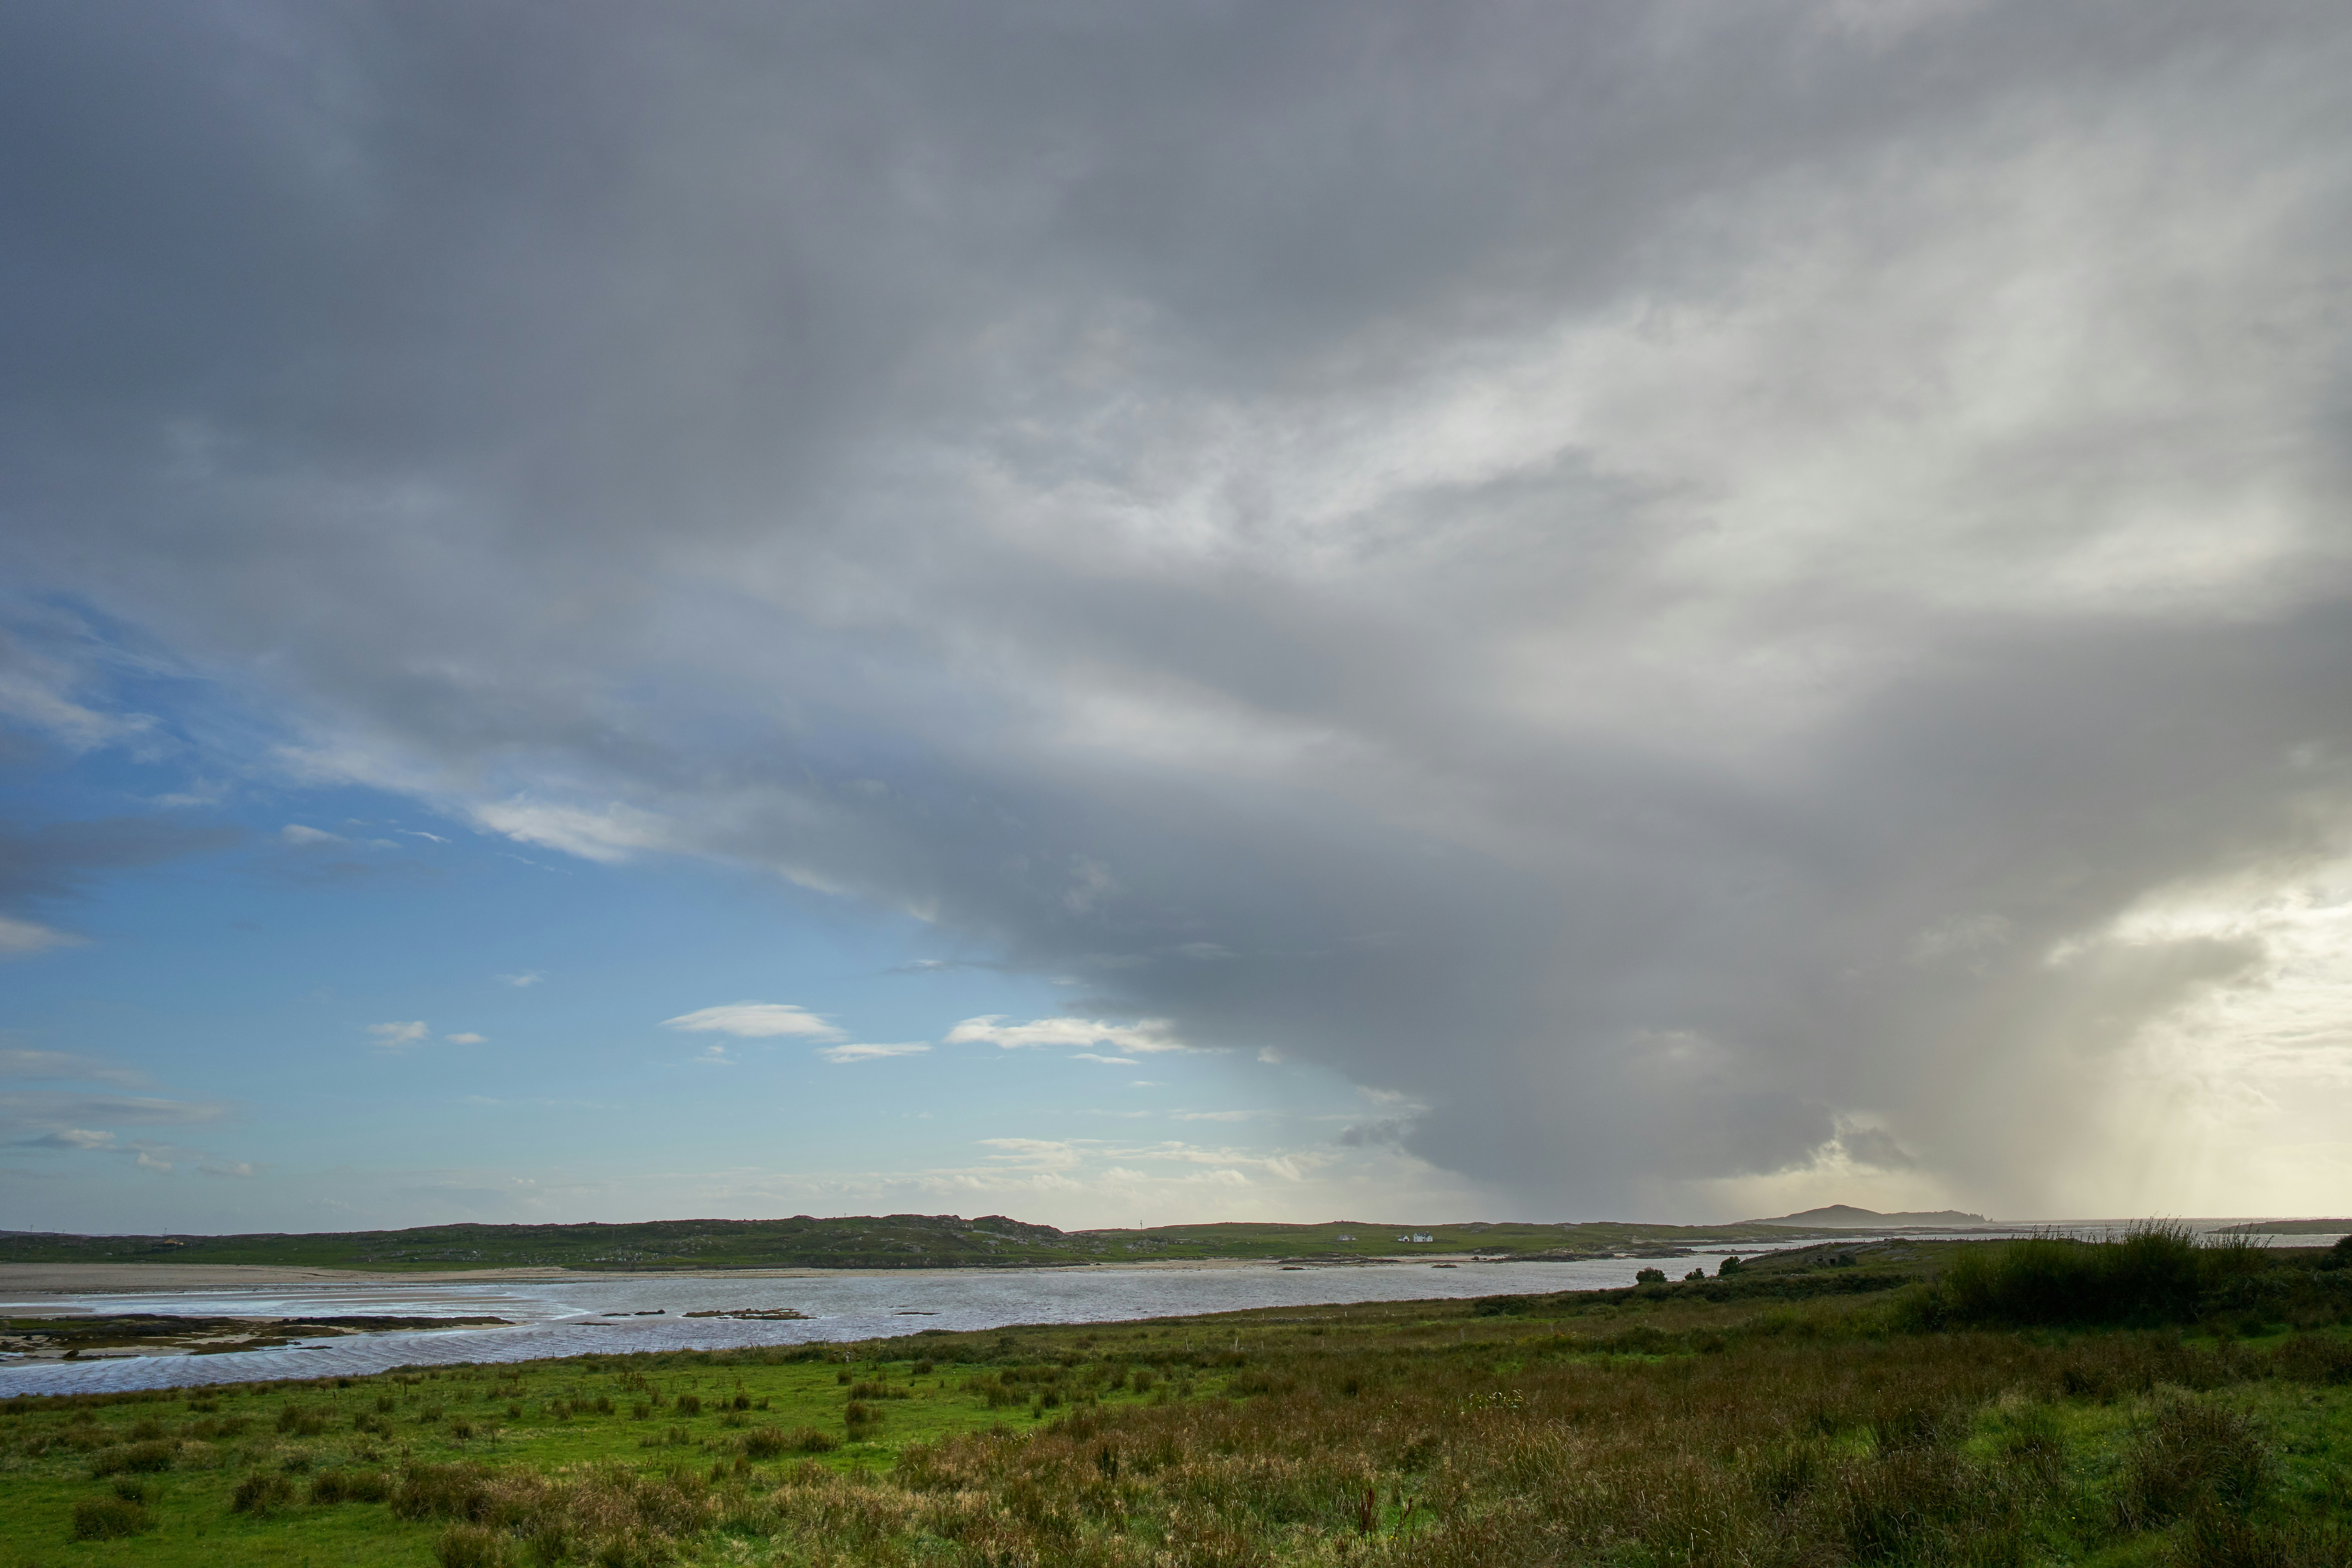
x=1660, y=582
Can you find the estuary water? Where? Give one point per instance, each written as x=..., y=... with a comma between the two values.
x=620, y=1314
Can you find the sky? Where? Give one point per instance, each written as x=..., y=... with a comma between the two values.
x=1124, y=613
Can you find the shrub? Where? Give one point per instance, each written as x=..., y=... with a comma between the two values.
x=296, y=1422
x=108, y=1519
x=1649, y=1277
x=2315, y=1358
x=473, y=1546
x=690, y=1404
x=2154, y=1274
x=439, y=1491
x=351, y=1486
x=262, y=1493
x=143, y=1459
x=2195, y=1454
x=2216, y=1540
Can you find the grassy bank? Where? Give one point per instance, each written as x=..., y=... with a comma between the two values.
x=1653, y=1426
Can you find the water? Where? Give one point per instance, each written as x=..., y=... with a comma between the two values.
x=566, y=1317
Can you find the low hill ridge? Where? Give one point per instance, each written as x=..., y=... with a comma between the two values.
x=1846, y=1217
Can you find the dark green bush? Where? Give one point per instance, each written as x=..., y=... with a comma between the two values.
x=2155, y=1274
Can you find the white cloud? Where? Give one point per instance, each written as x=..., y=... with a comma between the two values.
x=469, y=1039
x=1269, y=1055
x=66, y=1065
x=756, y=1021
x=1143, y=1037
x=80, y=1138
x=606, y=835
x=39, y=692
x=399, y=1037
x=21, y=937
x=714, y=1056
x=872, y=1052
x=52, y=1111
x=1035, y=1154
x=308, y=837
x=228, y=1168
x=1096, y=1057
x=528, y=977
x=419, y=833
x=1215, y=1115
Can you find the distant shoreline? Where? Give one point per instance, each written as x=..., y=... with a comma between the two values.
x=86, y=1279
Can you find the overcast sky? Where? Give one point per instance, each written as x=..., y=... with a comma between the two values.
x=1131, y=612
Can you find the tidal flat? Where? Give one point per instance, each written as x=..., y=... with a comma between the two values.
x=1798, y=1410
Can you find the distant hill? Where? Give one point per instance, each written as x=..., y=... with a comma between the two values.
x=1845, y=1217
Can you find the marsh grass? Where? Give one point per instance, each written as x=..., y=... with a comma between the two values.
x=1634, y=1433
x=109, y=1518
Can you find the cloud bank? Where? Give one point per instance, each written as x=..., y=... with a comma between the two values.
x=1714, y=596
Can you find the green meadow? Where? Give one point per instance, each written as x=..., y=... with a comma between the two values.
x=2042, y=1403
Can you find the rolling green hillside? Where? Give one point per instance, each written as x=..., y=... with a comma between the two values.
x=893, y=1241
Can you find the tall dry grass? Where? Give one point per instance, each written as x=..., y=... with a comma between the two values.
x=1776, y=1451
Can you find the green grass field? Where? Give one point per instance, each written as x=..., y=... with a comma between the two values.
x=1802, y=1417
